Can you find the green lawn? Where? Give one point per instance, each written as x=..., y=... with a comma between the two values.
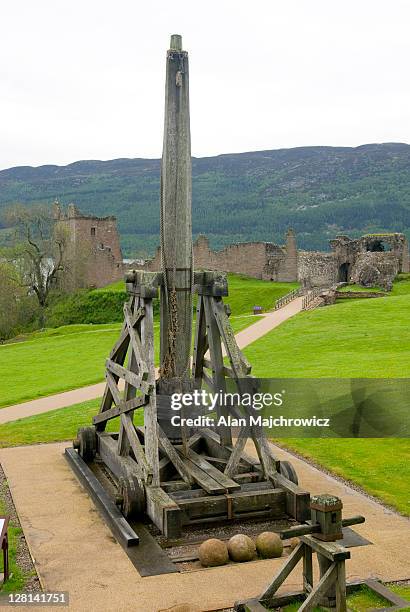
x=72, y=356
x=358, y=289
x=63, y=358
x=56, y=425
x=60, y=360
x=244, y=292
x=360, y=338
x=379, y=465
x=369, y=338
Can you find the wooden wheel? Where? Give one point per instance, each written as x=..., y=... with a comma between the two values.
x=288, y=471
x=86, y=443
x=132, y=495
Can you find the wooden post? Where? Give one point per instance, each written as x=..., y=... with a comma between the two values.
x=176, y=224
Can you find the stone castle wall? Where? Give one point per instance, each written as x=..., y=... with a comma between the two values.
x=375, y=270
x=317, y=269
x=263, y=260
x=95, y=257
x=350, y=260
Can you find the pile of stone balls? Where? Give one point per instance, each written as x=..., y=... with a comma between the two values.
x=240, y=547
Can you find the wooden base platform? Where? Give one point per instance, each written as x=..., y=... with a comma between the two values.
x=210, y=496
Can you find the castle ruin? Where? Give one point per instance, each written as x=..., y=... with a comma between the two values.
x=93, y=252
x=372, y=260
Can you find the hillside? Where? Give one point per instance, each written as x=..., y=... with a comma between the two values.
x=320, y=191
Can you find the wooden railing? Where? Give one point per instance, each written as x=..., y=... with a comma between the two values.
x=310, y=296
x=288, y=297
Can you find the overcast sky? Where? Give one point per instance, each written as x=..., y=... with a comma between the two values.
x=84, y=79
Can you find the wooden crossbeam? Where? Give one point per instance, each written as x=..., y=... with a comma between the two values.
x=209, y=484
x=283, y=573
x=137, y=448
x=121, y=346
x=236, y=454
x=121, y=408
x=218, y=374
x=223, y=479
x=331, y=550
x=227, y=371
x=267, y=460
x=150, y=411
x=130, y=377
x=113, y=387
x=232, y=505
x=136, y=345
x=320, y=590
x=200, y=340
x=208, y=380
x=173, y=456
x=239, y=363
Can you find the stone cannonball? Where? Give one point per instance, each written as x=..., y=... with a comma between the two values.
x=293, y=542
x=213, y=552
x=241, y=548
x=269, y=545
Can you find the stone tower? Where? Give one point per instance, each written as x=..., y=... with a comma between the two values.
x=93, y=254
x=291, y=261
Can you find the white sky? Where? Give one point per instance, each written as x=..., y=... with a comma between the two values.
x=84, y=79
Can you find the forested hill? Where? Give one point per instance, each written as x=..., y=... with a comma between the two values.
x=320, y=191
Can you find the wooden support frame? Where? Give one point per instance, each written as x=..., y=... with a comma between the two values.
x=254, y=605
x=330, y=591
x=205, y=463
x=333, y=577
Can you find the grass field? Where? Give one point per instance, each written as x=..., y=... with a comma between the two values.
x=244, y=292
x=56, y=425
x=358, y=338
x=358, y=289
x=369, y=338
x=63, y=358
x=379, y=465
x=72, y=356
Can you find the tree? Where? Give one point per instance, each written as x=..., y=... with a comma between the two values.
x=37, y=254
x=17, y=309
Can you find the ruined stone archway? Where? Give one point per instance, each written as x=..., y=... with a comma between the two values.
x=344, y=273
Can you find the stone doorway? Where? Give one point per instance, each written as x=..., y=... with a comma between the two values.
x=344, y=273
